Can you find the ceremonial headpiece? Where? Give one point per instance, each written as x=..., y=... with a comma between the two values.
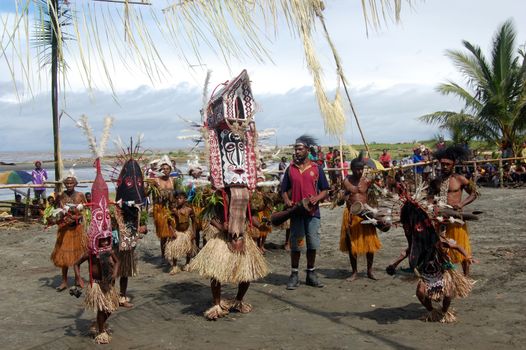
x=306, y=140
x=231, y=135
x=454, y=153
x=165, y=160
x=100, y=225
x=70, y=174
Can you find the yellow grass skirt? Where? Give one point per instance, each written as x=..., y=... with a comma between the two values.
x=96, y=299
x=70, y=245
x=198, y=224
x=160, y=219
x=363, y=237
x=217, y=261
x=181, y=246
x=460, y=234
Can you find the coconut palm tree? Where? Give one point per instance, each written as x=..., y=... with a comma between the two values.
x=49, y=38
x=494, y=92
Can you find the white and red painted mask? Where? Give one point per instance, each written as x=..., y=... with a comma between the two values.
x=100, y=226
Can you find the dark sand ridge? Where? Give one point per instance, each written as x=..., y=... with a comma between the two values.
x=362, y=314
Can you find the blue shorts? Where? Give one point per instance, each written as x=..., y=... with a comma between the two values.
x=304, y=230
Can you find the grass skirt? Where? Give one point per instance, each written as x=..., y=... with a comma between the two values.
x=70, y=245
x=180, y=247
x=160, y=219
x=128, y=263
x=96, y=299
x=217, y=261
x=363, y=237
x=453, y=285
x=459, y=233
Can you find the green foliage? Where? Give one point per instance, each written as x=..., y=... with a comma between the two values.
x=494, y=95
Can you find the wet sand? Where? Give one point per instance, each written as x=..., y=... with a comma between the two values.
x=362, y=314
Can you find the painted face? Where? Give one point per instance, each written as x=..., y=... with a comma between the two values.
x=233, y=158
x=130, y=183
x=100, y=226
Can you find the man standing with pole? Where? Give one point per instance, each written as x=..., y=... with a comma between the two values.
x=304, y=183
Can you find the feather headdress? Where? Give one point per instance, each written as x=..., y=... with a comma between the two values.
x=98, y=151
x=69, y=174
x=306, y=140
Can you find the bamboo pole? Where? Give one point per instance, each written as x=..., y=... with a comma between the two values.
x=341, y=160
x=53, y=12
x=26, y=210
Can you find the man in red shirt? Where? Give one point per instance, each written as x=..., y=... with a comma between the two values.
x=385, y=159
x=304, y=179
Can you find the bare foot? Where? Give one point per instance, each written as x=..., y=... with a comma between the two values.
x=371, y=276
x=62, y=287
x=186, y=267
x=354, y=276
x=241, y=307
x=215, y=312
x=80, y=283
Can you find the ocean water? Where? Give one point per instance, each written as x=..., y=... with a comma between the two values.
x=84, y=173
x=31, y=157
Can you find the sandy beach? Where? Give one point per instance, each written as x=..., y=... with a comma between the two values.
x=363, y=314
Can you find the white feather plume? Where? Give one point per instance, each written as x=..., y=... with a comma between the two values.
x=205, y=88
x=118, y=143
x=88, y=131
x=108, y=122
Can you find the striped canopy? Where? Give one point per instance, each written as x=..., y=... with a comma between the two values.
x=15, y=177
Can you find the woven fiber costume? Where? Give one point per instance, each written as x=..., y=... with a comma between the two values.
x=101, y=295
x=182, y=244
x=162, y=199
x=71, y=238
x=130, y=196
x=446, y=185
x=429, y=257
x=231, y=138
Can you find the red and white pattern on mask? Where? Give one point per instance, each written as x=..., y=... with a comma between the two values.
x=100, y=226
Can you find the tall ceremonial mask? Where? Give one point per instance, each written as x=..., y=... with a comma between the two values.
x=229, y=120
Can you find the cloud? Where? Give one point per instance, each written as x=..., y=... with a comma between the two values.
x=386, y=115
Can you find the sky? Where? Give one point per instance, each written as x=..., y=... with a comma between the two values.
x=393, y=73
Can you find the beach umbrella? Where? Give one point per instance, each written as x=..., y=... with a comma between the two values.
x=373, y=164
x=15, y=177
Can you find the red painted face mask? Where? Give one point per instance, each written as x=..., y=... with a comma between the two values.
x=100, y=226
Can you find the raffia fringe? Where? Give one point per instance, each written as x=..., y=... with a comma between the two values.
x=181, y=246
x=209, y=231
x=456, y=285
x=217, y=261
x=103, y=338
x=436, y=315
x=160, y=219
x=97, y=300
x=128, y=264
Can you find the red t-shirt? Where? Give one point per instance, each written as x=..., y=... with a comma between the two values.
x=385, y=160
